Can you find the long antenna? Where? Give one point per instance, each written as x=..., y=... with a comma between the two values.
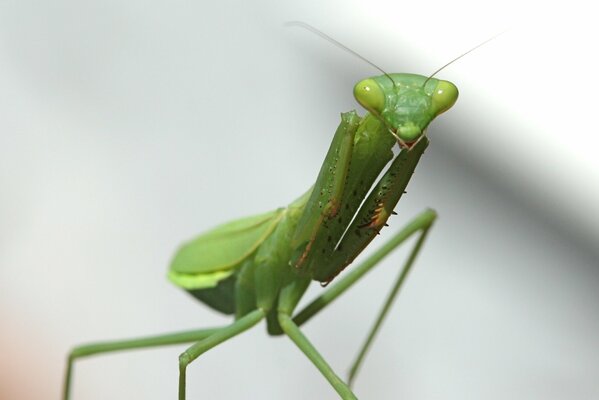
x=457, y=58
x=337, y=43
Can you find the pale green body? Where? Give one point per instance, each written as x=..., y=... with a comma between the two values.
x=256, y=271
x=259, y=267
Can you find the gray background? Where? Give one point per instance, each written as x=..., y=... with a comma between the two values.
x=127, y=128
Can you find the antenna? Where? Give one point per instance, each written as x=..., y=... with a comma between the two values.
x=462, y=55
x=323, y=35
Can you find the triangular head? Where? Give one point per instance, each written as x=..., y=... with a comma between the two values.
x=406, y=103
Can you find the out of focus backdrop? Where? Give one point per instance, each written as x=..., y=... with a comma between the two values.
x=129, y=127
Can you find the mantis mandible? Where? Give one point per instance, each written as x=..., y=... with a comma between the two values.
x=258, y=268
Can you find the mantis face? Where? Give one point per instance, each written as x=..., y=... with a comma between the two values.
x=406, y=103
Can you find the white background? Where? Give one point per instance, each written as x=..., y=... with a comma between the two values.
x=128, y=127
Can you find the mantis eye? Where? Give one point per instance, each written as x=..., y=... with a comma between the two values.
x=370, y=95
x=444, y=96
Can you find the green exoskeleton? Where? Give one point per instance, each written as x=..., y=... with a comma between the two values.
x=257, y=268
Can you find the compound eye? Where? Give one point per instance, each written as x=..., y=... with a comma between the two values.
x=444, y=96
x=370, y=95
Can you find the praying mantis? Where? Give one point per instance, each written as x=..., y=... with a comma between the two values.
x=258, y=268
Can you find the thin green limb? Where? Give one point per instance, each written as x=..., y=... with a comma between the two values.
x=420, y=223
x=293, y=331
x=237, y=327
x=129, y=344
x=387, y=305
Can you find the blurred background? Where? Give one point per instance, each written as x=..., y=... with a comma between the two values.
x=129, y=127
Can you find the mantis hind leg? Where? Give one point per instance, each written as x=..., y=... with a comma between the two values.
x=129, y=344
x=421, y=224
x=295, y=334
x=216, y=338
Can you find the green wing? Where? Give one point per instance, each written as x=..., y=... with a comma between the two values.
x=214, y=256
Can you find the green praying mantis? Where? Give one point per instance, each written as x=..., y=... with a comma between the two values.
x=258, y=268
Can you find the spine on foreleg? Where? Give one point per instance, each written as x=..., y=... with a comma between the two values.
x=373, y=214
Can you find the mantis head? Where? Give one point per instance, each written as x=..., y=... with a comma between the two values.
x=406, y=103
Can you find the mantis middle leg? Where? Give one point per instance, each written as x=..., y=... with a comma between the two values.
x=421, y=224
x=129, y=344
x=242, y=324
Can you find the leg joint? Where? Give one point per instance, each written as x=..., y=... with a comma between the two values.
x=429, y=216
x=184, y=360
x=284, y=319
